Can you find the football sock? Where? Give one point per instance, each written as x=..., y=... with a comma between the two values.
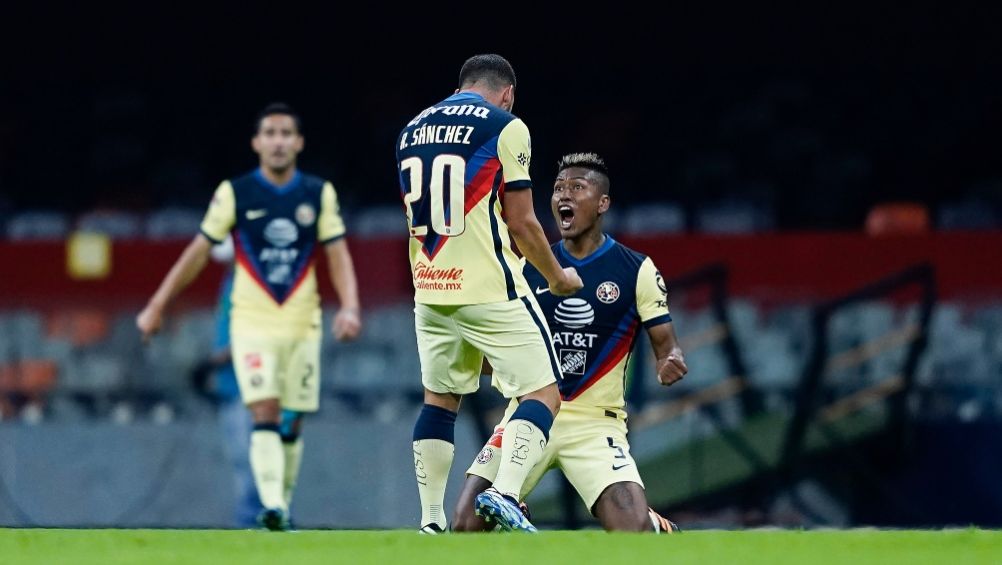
x=293, y=448
x=268, y=464
x=525, y=437
x=434, y=434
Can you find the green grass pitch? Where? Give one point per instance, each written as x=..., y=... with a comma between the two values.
x=855, y=547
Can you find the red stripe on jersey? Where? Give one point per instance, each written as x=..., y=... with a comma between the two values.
x=438, y=246
x=302, y=274
x=244, y=261
x=614, y=357
x=501, y=200
x=480, y=185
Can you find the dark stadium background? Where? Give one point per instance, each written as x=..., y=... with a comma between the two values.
x=809, y=119
x=815, y=113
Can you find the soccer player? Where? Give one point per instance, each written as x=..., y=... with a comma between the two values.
x=279, y=217
x=464, y=179
x=593, y=331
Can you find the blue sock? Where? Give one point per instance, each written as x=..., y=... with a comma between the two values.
x=435, y=423
x=267, y=428
x=536, y=413
x=287, y=428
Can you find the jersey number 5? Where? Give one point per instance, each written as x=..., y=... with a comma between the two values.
x=446, y=198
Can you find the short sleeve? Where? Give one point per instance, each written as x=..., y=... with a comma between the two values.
x=221, y=215
x=652, y=295
x=515, y=153
x=330, y=226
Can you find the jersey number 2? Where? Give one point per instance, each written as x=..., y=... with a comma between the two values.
x=451, y=196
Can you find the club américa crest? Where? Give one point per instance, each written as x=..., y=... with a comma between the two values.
x=607, y=292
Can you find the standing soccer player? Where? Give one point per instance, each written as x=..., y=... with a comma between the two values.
x=593, y=332
x=278, y=217
x=464, y=179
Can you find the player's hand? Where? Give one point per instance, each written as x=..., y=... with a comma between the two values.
x=672, y=368
x=347, y=324
x=568, y=284
x=148, y=321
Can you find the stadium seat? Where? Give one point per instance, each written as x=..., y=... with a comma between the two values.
x=969, y=214
x=897, y=218
x=38, y=225
x=116, y=224
x=81, y=327
x=379, y=221
x=173, y=223
x=733, y=216
x=653, y=218
x=26, y=383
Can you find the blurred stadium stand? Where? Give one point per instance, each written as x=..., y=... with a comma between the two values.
x=37, y=225
x=71, y=365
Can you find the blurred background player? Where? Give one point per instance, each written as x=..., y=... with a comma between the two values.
x=464, y=178
x=216, y=380
x=593, y=332
x=277, y=216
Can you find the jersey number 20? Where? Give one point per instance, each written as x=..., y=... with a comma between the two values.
x=451, y=195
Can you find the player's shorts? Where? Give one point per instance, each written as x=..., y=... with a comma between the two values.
x=588, y=444
x=286, y=369
x=513, y=336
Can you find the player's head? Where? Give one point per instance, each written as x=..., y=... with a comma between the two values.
x=492, y=76
x=580, y=194
x=278, y=137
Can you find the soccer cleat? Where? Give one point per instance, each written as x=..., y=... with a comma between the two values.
x=431, y=529
x=662, y=524
x=503, y=510
x=274, y=519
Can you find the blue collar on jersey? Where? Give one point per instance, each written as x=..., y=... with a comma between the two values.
x=462, y=95
x=274, y=187
x=606, y=245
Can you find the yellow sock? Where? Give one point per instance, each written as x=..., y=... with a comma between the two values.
x=293, y=456
x=521, y=447
x=432, y=461
x=268, y=464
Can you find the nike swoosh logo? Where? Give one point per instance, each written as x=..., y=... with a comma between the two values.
x=542, y=290
x=255, y=214
x=615, y=468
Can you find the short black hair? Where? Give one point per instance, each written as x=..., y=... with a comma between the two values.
x=491, y=68
x=590, y=161
x=278, y=108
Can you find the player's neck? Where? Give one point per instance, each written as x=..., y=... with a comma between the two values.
x=584, y=244
x=278, y=177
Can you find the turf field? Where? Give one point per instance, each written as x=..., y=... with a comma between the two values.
x=855, y=547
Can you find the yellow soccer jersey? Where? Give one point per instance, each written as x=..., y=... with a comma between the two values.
x=456, y=160
x=275, y=235
x=595, y=329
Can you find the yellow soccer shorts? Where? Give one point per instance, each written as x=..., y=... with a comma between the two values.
x=588, y=444
x=286, y=369
x=454, y=340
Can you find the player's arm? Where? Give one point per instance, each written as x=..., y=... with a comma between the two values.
x=670, y=359
x=514, y=153
x=218, y=222
x=185, y=269
x=531, y=241
x=331, y=230
x=652, y=306
x=347, y=321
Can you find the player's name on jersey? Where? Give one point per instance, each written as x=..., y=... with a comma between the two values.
x=437, y=134
x=452, y=110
